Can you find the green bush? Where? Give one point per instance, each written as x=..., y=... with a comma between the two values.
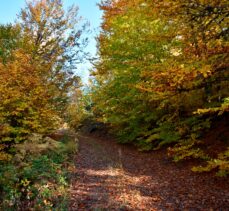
x=39, y=182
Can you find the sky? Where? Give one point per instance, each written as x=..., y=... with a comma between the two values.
x=87, y=9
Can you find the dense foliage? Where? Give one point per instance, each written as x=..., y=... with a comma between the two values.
x=38, y=56
x=38, y=176
x=161, y=79
x=162, y=73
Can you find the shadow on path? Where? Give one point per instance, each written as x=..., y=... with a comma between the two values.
x=110, y=176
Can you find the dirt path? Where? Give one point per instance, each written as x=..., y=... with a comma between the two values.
x=116, y=177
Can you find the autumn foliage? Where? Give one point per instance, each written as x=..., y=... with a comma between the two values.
x=162, y=74
x=37, y=57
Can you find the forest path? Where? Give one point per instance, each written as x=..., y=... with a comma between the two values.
x=110, y=176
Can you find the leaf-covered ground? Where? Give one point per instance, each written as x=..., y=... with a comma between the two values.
x=110, y=176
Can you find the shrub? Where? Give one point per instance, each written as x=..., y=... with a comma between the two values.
x=39, y=180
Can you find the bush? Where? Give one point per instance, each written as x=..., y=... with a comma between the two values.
x=38, y=181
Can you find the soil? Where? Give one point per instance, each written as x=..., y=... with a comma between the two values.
x=110, y=176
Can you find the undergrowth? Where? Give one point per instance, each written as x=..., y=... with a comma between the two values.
x=39, y=181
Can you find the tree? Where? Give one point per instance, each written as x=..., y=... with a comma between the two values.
x=53, y=38
x=25, y=101
x=35, y=82
x=162, y=76
x=133, y=44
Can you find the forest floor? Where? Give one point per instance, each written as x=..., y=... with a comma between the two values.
x=110, y=176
